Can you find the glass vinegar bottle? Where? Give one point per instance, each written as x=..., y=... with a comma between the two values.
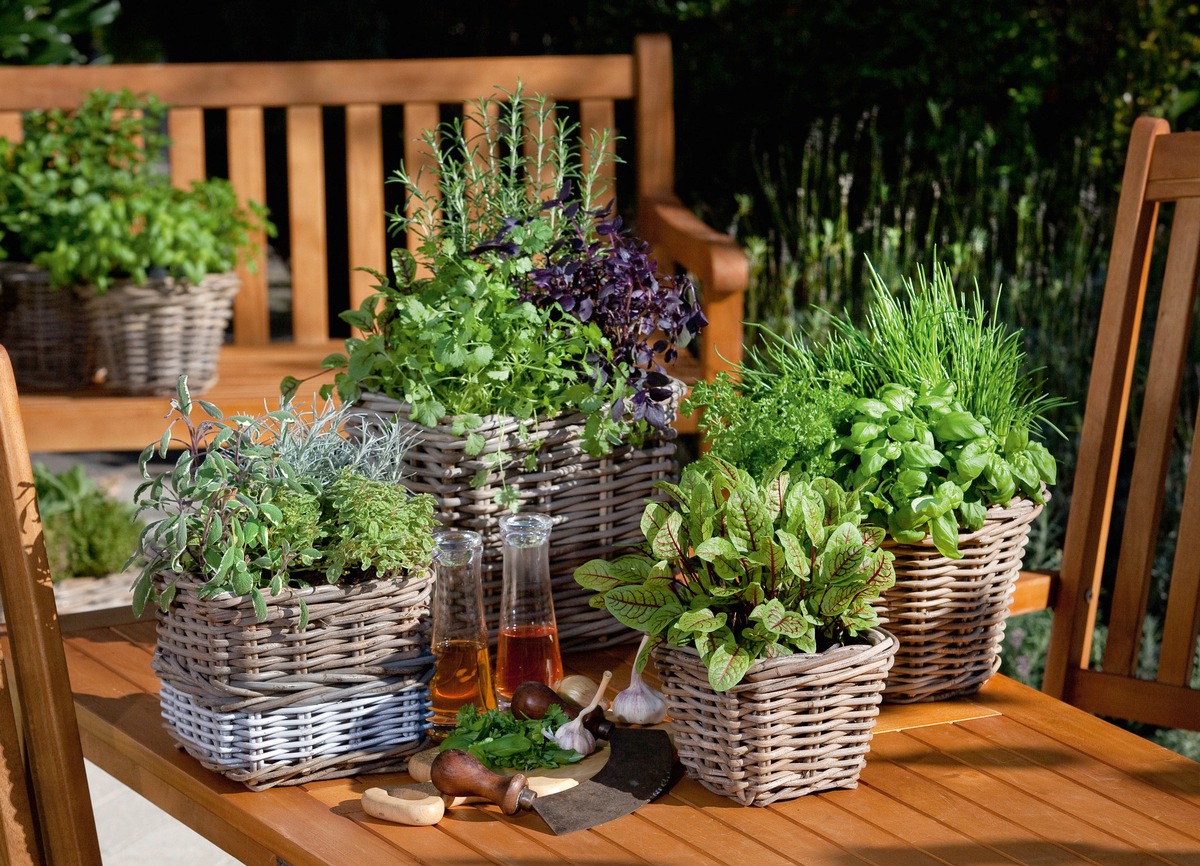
x=527, y=648
x=459, y=637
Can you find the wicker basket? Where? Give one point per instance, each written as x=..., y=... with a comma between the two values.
x=596, y=503
x=45, y=330
x=149, y=335
x=795, y=725
x=949, y=614
x=269, y=704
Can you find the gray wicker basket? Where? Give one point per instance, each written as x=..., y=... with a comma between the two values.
x=270, y=704
x=149, y=335
x=949, y=614
x=794, y=726
x=45, y=330
x=596, y=503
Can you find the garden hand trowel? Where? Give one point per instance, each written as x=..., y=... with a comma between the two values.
x=638, y=770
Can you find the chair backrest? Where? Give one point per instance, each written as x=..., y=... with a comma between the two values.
x=1120, y=452
x=45, y=808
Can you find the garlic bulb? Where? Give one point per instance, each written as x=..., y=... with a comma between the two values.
x=573, y=735
x=578, y=689
x=639, y=704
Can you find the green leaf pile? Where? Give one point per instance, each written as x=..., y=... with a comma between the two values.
x=744, y=569
x=502, y=741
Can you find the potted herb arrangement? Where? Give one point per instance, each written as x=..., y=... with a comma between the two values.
x=83, y=198
x=519, y=346
x=90, y=534
x=926, y=411
x=756, y=596
x=290, y=570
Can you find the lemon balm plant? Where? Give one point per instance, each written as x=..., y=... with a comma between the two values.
x=83, y=195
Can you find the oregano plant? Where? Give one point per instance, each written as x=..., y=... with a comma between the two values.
x=744, y=568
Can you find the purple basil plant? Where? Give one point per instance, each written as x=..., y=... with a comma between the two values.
x=609, y=277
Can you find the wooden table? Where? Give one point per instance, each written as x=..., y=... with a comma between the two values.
x=1008, y=776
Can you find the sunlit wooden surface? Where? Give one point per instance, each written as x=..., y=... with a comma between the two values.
x=1009, y=776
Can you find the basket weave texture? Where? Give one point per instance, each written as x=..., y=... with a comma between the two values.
x=596, y=503
x=45, y=330
x=149, y=335
x=949, y=614
x=270, y=704
x=794, y=726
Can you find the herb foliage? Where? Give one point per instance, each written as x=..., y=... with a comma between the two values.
x=502, y=741
x=83, y=195
x=255, y=504
x=927, y=411
x=744, y=568
x=526, y=299
x=88, y=532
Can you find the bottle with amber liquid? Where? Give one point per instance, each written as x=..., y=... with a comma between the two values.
x=527, y=648
x=459, y=636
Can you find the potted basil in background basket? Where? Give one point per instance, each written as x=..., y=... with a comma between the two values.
x=520, y=347
x=928, y=412
x=756, y=594
x=139, y=269
x=290, y=568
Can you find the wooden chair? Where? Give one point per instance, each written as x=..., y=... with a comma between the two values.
x=1161, y=168
x=45, y=808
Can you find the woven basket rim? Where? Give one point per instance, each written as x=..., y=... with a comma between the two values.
x=1020, y=509
x=188, y=582
x=378, y=401
x=875, y=641
x=159, y=288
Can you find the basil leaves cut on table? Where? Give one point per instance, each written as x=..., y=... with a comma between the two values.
x=502, y=741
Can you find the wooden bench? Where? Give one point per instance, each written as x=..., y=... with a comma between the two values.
x=271, y=125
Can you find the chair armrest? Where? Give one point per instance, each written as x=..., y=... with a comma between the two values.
x=720, y=267
x=1035, y=590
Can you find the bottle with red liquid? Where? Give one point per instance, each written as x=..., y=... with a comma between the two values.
x=459, y=637
x=528, y=643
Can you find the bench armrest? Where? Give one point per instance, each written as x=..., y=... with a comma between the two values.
x=1035, y=590
x=718, y=264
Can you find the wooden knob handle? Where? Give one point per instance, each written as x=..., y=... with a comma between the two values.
x=531, y=700
x=460, y=774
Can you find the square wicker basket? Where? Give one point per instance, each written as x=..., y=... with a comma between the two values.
x=950, y=614
x=795, y=725
x=271, y=704
x=596, y=503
